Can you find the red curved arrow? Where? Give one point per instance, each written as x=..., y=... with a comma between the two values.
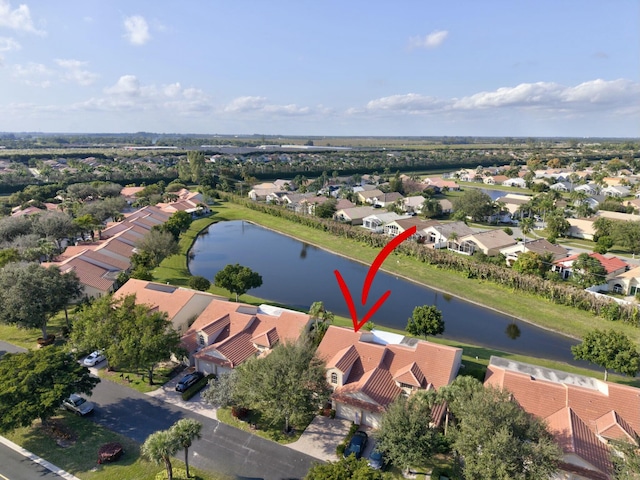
x=373, y=270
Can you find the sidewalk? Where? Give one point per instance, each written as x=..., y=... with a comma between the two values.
x=34, y=458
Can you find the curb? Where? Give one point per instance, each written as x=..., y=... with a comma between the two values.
x=36, y=459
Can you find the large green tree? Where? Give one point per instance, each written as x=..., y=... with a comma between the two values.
x=186, y=430
x=130, y=334
x=196, y=164
x=587, y=271
x=287, y=385
x=33, y=385
x=159, y=447
x=177, y=223
x=30, y=294
x=425, y=320
x=158, y=244
x=474, y=203
x=498, y=440
x=350, y=468
x=609, y=349
x=406, y=436
x=237, y=279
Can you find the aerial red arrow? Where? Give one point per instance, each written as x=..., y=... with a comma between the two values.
x=373, y=269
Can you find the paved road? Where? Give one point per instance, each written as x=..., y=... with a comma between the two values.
x=13, y=466
x=222, y=448
x=9, y=348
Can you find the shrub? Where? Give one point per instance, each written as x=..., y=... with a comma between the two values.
x=178, y=474
x=340, y=449
x=196, y=387
x=198, y=282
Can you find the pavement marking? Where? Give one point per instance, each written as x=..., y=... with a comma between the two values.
x=3, y=477
x=34, y=458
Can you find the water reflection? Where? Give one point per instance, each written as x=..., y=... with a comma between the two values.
x=294, y=278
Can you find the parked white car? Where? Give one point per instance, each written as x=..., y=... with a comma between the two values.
x=94, y=358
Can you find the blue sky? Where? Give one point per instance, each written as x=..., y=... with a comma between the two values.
x=336, y=67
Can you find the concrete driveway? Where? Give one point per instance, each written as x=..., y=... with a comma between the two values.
x=321, y=438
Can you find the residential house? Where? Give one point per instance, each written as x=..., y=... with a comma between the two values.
x=515, y=182
x=626, y=283
x=513, y=202
x=442, y=235
x=259, y=192
x=226, y=334
x=581, y=228
x=540, y=246
x=583, y=414
x=413, y=203
x=446, y=205
x=388, y=199
x=617, y=191
x=635, y=203
x=400, y=226
x=440, y=184
x=369, y=196
x=489, y=242
x=376, y=221
x=588, y=188
x=369, y=370
x=182, y=305
x=563, y=187
x=623, y=217
x=613, y=265
x=495, y=179
x=353, y=215
x=130, y=193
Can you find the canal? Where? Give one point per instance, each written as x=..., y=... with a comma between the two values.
x=298, y=274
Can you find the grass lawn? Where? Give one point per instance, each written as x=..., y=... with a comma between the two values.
x=139, y=380
x=80, y=458
x=270, y=432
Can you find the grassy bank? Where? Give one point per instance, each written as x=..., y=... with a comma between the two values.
x=525, y=307
x=80, y=453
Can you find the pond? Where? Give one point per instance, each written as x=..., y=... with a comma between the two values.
x=297, y=274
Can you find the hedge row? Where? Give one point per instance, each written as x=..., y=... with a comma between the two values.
x=196, y=387
x=556, y=292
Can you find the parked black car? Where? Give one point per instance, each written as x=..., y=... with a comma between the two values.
x=356, y=445
x=188, y=380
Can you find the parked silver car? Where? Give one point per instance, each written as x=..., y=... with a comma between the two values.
x=78, y=405
x=94, y=358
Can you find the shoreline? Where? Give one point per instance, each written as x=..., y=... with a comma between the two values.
x=416, y=282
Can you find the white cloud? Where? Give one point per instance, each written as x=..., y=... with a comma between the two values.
x=33, y=74
x=137, y=30
x=17, y=19
x=126, y=85
x=553, y=96
x=74, y=72
x=260, y=105
x=432, y=40
x=411, y=102
x=8, y=44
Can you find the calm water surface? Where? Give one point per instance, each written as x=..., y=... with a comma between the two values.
x=297, y=274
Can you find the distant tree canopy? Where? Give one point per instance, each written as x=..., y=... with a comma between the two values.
x=474, y=203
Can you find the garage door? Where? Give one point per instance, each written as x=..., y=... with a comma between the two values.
x=371, y=419
x=346, y=412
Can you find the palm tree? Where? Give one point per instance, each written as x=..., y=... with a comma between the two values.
x=159, y=447
x=452, y=240
x=186, y=431
x=526, y=225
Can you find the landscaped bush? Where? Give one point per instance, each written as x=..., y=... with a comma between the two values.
x=196, y=387
x=178, y=474
x=110, y=452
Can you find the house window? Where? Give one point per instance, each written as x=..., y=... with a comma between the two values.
x=201, y=340
x=406, y=386
x=617, y=288
x=334, y=378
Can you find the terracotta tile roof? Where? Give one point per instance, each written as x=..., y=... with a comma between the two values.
x=407, y=223
x=607, y=409
x=90, y=275
x=105, y=261
x=375, y=370
x=241, y=326
x=118, y=247
x=613, y=427
x=411, y=375
x=574, y=436
x=165, y=298
x=266, y=339
x=611, y=264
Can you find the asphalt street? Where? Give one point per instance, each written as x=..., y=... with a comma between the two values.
x=14, y=466
x=222, y=448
